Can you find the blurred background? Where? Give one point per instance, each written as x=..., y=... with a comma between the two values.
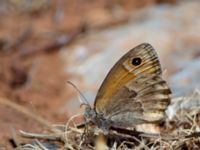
x=45, y=43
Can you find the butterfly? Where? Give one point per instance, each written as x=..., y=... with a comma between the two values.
x=132, y=93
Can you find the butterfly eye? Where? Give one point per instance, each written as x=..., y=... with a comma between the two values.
x=136, y=61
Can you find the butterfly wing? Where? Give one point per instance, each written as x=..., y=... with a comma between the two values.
x=133, y=91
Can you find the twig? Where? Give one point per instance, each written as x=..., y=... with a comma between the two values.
x=15, y=139
x=40, y=145
x=56, y=137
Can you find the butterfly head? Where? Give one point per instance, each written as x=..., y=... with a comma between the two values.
x=90, y=114
x=97, y=119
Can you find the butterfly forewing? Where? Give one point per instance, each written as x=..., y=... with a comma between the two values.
x=133, y=91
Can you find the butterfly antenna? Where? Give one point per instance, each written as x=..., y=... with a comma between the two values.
x=83, y=101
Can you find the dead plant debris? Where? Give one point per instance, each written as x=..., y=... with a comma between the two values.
x=180, y=132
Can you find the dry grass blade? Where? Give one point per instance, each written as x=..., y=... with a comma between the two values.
x=56, y=137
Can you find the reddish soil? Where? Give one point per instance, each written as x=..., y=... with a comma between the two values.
x=31, y=72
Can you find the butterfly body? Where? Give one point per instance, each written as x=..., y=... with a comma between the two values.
x=132, y=93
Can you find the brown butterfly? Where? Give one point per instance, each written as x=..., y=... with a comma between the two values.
x=132, y=93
